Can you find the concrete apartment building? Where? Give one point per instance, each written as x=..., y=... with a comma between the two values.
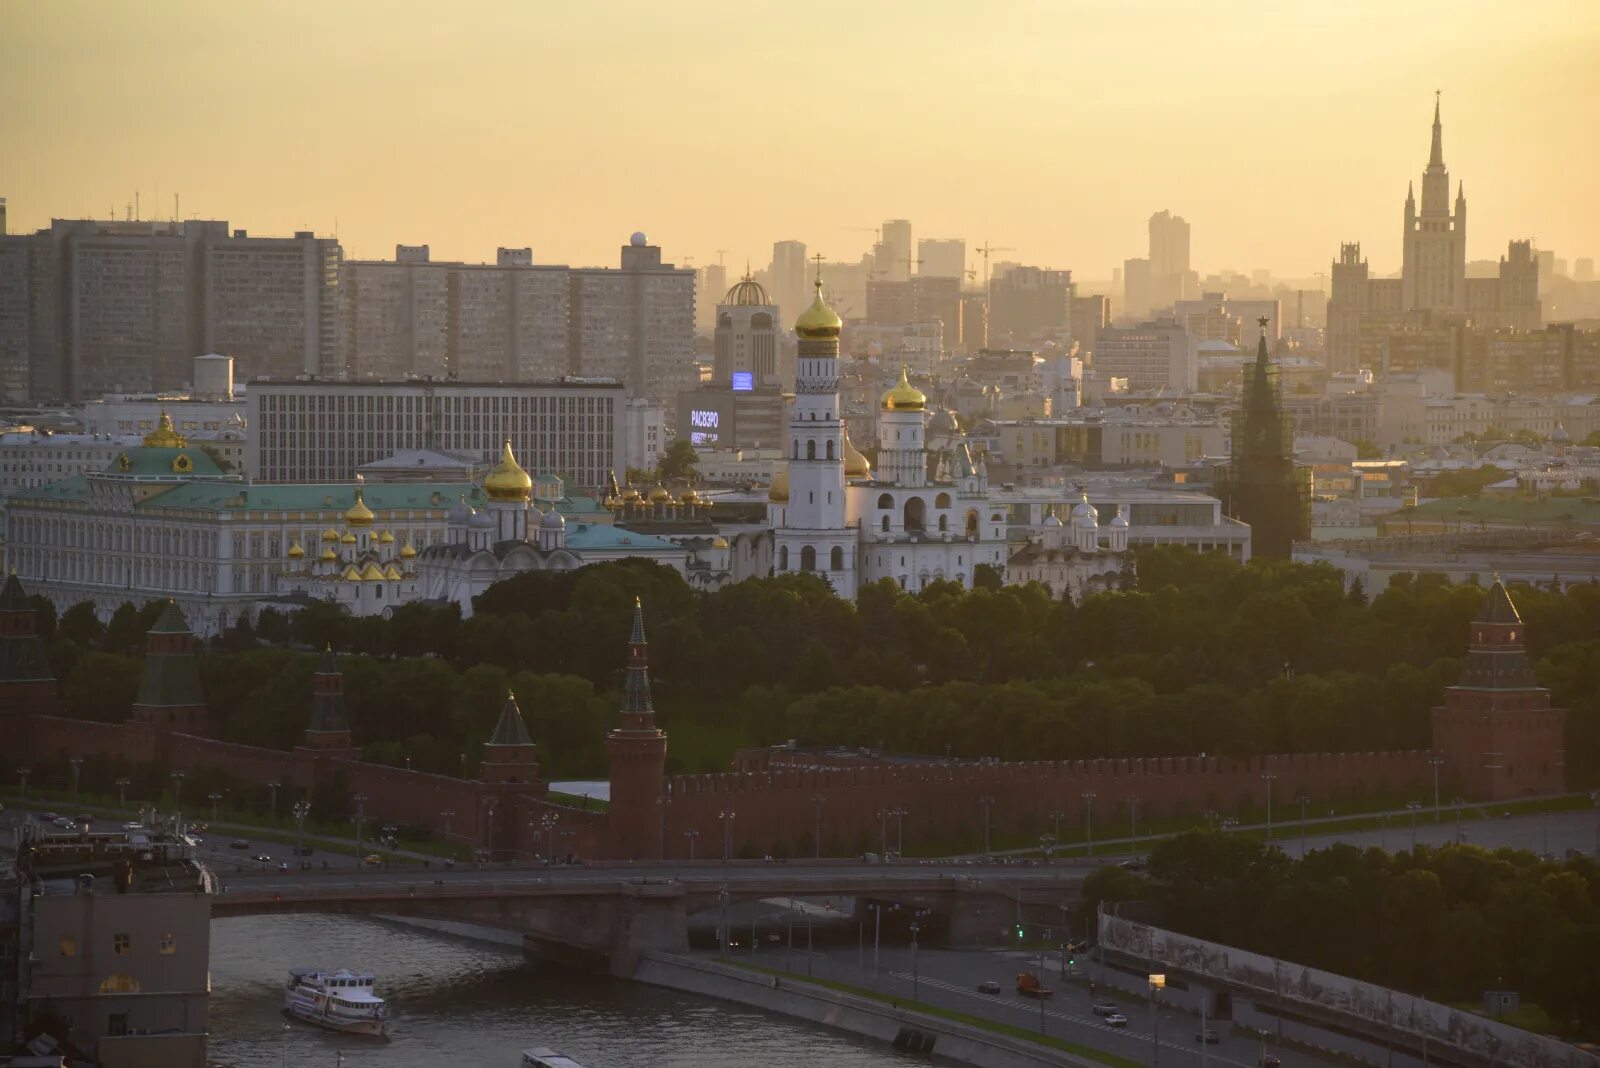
x=103, y=306
x=1151, y=357
x=120, y=931
x=322, y=431
x=1028, y=304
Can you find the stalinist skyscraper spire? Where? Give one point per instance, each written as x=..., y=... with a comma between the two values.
x=1434, y=273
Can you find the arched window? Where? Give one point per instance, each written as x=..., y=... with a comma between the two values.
x=942, y=501
x=808, y=559
x=944, y=523
x=972, y=522
x=830, y=450
x=811, y=450
x=783, y=558
x=885, y=522
x=885, y=501
x=836, y=559
x=913, y=513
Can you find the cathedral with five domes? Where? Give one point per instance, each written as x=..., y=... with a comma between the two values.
x=918, y=519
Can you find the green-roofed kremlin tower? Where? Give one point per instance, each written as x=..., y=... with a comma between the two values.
x=169, y=698
x=638, y=751
x=1496, y=730
x=328, y=729
x=509, y=756
x=1261, y=486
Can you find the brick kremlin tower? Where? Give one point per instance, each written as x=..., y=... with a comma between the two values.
x=169, y=698
x=1499, y=736
x=27, y=685
x=509, y=756
x=638, y=753
x=1261, y=485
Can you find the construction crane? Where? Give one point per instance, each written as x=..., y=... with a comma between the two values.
x=984, y=252
x=722, y=252
x=910, y=262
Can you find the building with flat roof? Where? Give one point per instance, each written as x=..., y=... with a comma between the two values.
x=1151, y=357
x=322, y=431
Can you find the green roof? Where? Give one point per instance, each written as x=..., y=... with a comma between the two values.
x=1497, y=606
x=314, y=496
x=1543, y=510
x=510, y=730
x=151, y=462
x=171, y=620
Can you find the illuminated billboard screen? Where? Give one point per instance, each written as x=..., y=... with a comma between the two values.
x=744, y=380
x=703, y=426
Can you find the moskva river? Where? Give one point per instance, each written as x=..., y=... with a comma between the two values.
x=455, y=1003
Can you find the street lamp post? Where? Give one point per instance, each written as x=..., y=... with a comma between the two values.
x=665, y=805
x=1229, y=823
x=1057, y=816
x=722, y=918
x=899, y=831
x=1048, y=843
x=1304, y=799
x=122, y=792
x=883, y=832
x=1133, y=822
x=1437, y=762
x=547, y=824
x=301, y=809
x=1158, y=983
x=1267, y=777
x=817, y=801
x=177, y=792
x=914, y=929
x=22, y=776
x=447, y=815
x=77, y=768
x=214, y=797
x=1414, y=807
x=361, y=817
x=272, y=789
x=987, y=802
x=691, y=834
x=726, y=815
x=1456, y=804
x=494, y=810
x=1088, y=820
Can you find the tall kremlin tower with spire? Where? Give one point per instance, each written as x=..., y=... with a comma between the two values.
x=638, y=752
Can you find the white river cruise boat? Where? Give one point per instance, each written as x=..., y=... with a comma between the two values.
x=547, y=1058
x=339, y=1001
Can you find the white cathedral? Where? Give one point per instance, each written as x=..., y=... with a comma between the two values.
x=833, y=516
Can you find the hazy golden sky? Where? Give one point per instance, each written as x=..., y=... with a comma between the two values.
x=1278, y=128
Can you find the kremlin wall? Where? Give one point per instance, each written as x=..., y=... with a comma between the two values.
x=1495, y=737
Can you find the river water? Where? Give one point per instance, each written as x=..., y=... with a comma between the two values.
x=467, y=1004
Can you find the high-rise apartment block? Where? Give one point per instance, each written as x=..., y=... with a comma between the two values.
x=1433, y=281
x=1028, y=304
x=1169, y=259
x=97, y=306
x=942, y=257
x=322, y=431
x=892, y=256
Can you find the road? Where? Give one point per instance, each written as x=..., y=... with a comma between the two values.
x=949, y=978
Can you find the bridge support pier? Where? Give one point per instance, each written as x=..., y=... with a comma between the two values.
x=650, y=917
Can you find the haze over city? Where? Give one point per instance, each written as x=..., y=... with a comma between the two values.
x=1276, y=129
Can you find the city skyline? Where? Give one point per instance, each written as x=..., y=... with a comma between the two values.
x=495, y=159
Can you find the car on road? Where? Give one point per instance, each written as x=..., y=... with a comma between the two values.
x=282, y=866
x=1269, y=1061
x=1104, y=1008
x=1116, y=1019
x=371, y=860
x=988, y=986
x=1208, y=1036
x=133, y=825
x=50, y=817
x=65, y=824
x=262, y=858
x=239, y=843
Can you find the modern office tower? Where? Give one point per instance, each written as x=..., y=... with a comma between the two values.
x=1028, y=304
x=1169, y=259
x=937, y=298
x=124, y=306
x=1090, y=315
x=321, y=431
x=634, y=324
x=1137, y=297
x=709, y=281
x=1433, y=277
x=942, y=257
x=1151, y=357
x=790, y=276
x=894, y=262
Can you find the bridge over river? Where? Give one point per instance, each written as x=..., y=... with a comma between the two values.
x=611, y=915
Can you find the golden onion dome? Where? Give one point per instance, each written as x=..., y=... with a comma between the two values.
x=407, y=552
x=386, y=538
x=359, y=515
x=391, y=573
x=351, y=574
x=855, y=464
x=348, y=539
x=372, y=573
x=295, y=552
x=633, y=496
x=904, y=397
x=719, y=542
x=164, y=436
x=659, y=495
x=330, y=535
x=689, y=496
x=507, y=481
x=818, y=322
x=779, y=490
x=328, y=556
